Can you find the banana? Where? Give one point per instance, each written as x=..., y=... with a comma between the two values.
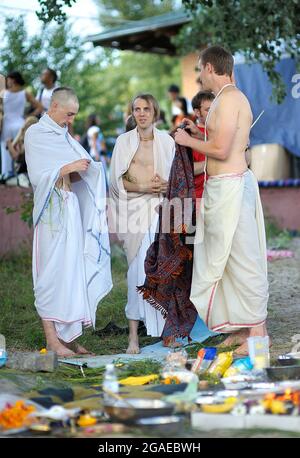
x=218, y=408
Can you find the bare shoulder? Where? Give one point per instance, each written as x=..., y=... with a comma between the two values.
x=235, y=100
x=233, y=95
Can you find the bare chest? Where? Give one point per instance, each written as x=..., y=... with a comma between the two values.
x=144, y=155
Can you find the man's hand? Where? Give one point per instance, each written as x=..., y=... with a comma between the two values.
x=81, y=165
x=189, y=124
x=159, y=184
x=77, y=166
x=182, y=137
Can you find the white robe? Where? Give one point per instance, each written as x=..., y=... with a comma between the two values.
x=137, y=308
x=229, y=284
x=71, y=253
x=134, y=218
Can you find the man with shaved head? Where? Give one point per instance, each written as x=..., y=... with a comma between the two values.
x=71, y=255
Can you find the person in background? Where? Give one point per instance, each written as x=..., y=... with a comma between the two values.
x=14, y=100
x=130, y=123
x=96, y=142
x=181, y=104
x=48, y=80
x=17, y=151
x=201, y=103
x=161, y=123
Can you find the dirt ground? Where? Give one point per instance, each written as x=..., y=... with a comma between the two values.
x=284, y=302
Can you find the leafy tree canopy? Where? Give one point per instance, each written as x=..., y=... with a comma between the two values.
x=262, y=30
x=104, y=83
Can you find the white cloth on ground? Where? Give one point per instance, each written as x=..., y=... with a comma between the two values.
x=229, y=284
x=71, y=257
x=137, y=308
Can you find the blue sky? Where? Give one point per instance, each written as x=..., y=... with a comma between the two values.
x=83, y=15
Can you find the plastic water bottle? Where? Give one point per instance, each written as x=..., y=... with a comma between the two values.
x=110, y=383
x=2, y=350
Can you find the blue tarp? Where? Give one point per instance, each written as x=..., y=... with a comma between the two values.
x=279, y=123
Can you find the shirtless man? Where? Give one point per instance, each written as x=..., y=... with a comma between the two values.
x=140, y=167
x=229, y=287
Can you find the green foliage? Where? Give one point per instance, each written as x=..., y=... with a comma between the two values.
x=262, y=30
x=114, y=12
x=104, y=84
x=137, y=368
x=18, y=52
x=53, y=10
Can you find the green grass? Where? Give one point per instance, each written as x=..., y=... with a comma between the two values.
x=277, y=239
x=22, y=327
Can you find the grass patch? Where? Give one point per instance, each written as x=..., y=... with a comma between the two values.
x=277, y=239
x=22, y=327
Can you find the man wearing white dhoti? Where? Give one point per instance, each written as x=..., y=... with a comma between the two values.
x=140, y=168
x=71, y=254
x=229, y=285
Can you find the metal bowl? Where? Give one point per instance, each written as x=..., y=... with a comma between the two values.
x=138, y=408
x=167, y=425
x=278, y=374
x=288, y=360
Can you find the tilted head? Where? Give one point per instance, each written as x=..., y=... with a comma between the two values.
x=201, y=103
x=145, y=110
x=64, y=106
x=214, y=62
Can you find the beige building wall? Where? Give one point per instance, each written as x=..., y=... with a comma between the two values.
x=189, y=75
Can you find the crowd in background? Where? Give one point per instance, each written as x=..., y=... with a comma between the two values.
x=19, y=109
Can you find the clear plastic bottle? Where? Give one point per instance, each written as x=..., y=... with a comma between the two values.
x=2, y=350
x=110, y=383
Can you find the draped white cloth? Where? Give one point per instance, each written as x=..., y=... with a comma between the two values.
x=71, y=252
x=229, y=284
x=132, y=213
x=137, y=308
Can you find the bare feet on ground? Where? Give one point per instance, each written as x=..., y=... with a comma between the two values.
x=80, y=350
x=133, y=347
x=259, y=331
x=61, y=350
x=76, y=348
x=236, y=338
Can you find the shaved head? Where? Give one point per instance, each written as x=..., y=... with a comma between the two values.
x=64, y=106
x=64, y=95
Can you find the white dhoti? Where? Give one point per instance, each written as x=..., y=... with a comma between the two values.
x=229, y=284
x=137, y=308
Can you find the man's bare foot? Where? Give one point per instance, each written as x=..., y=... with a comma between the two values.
x=80, y=350
x=133, y=347
x=60, y=350
x=171, y=342
x=236, y=338
x=76, y=348
x=242, y=350
x=257, y=331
